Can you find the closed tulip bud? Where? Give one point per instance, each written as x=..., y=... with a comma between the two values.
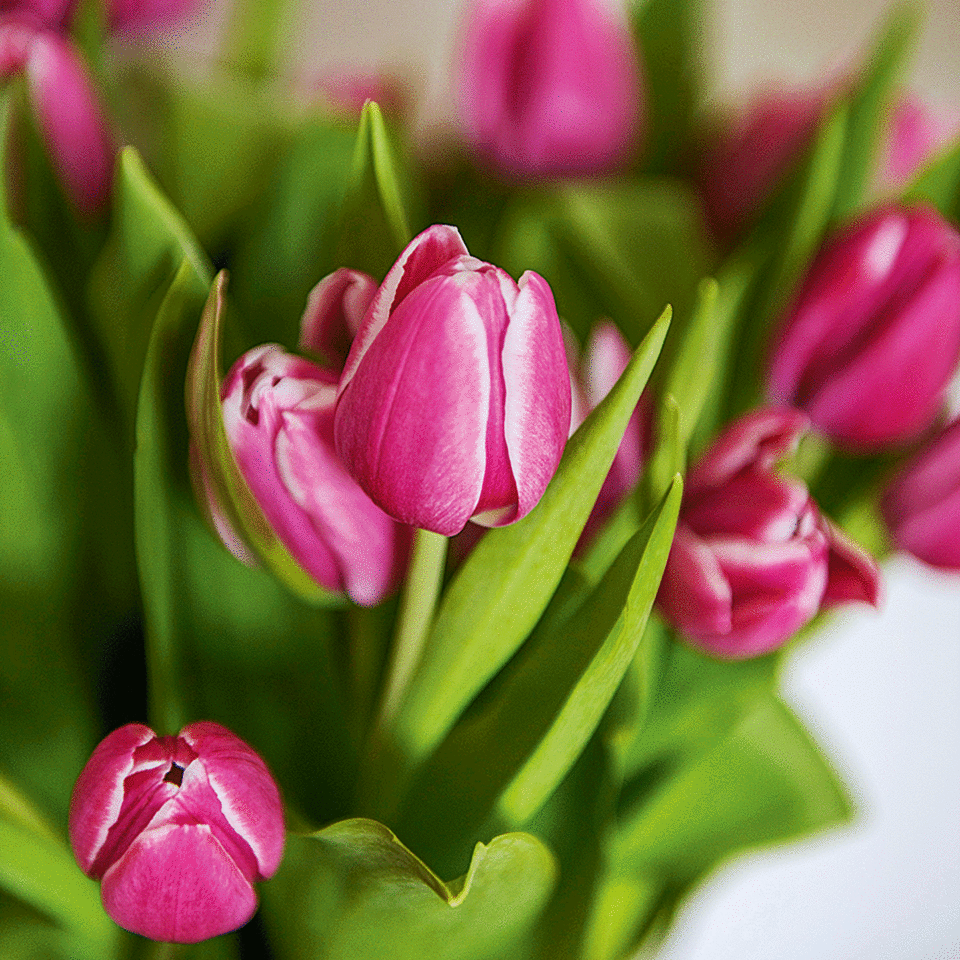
x=455, y=400
x=550, y=87
x=278, y=413
x=177, y=829
x=922, y=504
x=873, y=337
x=752, y=559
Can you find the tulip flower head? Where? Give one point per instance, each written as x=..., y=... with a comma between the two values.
x=752, y=558
x=550, y=87
x=278, y=413
x=455, y=400
x=873, y=338
x=922, y=504
x=918, y=132
x=177, y=829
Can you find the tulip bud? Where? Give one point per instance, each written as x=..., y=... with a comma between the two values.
x=873, y=337
x=177, y=829
x=752, y=559
x=922, y=504
x=278, y=414
x=550, y=87
x=455, y=400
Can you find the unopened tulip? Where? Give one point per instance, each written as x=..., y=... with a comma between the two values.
x=278, y=413
x=873, y=337
x=752, y=559
x=455, y=400
x=550, y=87
x=922, y=504
x=177, y=829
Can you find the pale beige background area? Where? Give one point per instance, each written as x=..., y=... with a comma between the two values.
x=882, y=690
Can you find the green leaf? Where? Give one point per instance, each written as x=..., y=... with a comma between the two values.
x=870, y=107
x=939, y=183
x=352, y=891
x=486, y=613
x=670, y=38
x=766, y=782
x=148, y=241
x=374, y=225
x=207, y=432
x=42, y=873
x=513, y=748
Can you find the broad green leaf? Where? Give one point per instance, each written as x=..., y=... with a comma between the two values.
x=516, y=744
x=374, y=225
x=506, y=583
x=870, y=107
x=939, y=183
x=215, y=626
x=148, y=241
x=766, y=782
x=42, y=873
x=352, y=891
x=226, y=482
x=670, y=38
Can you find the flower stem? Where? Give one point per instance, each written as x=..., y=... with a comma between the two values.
x=420, y=592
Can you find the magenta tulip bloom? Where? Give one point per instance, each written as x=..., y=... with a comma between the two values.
x=64, y=100
x=873, y=338
x=177, y=829
x=550, y=87
x=922, y=504
x=455, y=400
x=752, y=559
x=278, y=413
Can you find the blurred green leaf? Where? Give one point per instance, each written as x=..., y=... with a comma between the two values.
x=485, y=614
x=374, y=225
x=511, y=750
x=939, y=183
x=352, y=891
x=670, y=37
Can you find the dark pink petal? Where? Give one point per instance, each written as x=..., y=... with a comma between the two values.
x=133, y=18
x=16, y=38
x=853, y=573
x=98, y=794
x=421, y=258
x=335, y=310
x=757, y=440
x=177, y=884
x=72, y=122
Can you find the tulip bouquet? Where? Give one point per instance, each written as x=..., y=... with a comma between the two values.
x=420, y=522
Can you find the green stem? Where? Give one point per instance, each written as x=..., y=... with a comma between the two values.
x=420, y=593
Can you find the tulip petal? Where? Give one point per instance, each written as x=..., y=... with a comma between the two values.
x=133, y=18
x=852, y=573
x=335, y=309
x=72, y=122
x=177, y=884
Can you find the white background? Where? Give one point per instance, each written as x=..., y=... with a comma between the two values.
x=879, y=689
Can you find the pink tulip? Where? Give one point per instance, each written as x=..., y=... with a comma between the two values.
x=177, y=829
x=133, y=18
x=917, y=133
x=278, y=413
x=335, y=310
x=550, y=87
x=455, y=400
x=752, y=559
x=922, y=504
x=873, y=337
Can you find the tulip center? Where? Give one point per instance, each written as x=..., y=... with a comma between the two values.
x=174, y=775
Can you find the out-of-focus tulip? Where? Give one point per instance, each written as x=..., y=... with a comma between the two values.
x=746, y=159
x=917, y=133
x=550, y=87
x=335, y=309
x=922, y=504
x=278, y=413
x=605, y=357
x=873, y=338
x=177, y=829
x=132, y=18
x=752, y=559
x=455, y=400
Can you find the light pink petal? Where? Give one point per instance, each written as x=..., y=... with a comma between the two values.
x=917, y=133
x=72, y=122
x=759, y=439
x=177, y=884
x=412, y=429
x=424, y=255
x=335, y=310
x=98, y=794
